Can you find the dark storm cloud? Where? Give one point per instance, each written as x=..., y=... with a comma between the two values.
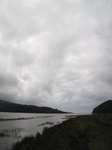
x=56, y=53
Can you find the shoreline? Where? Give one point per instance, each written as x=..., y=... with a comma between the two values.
x=79, y=132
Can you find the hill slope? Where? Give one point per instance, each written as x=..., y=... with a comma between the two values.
x=6, y=106
x=105, y=107
x=4, y=102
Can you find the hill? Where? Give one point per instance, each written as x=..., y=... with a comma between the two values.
x=4, y=102
x=89, y=132
x=6, y=106
x=105, y=107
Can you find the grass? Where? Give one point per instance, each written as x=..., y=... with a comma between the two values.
x=47, y=123
x=2, y=134
x=89, y=132
x=11, y=119
x=13, y=132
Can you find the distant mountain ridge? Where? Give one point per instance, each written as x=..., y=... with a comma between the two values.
x=105, y=107
x=6, y=106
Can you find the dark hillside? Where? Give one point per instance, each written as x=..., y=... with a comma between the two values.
x=4, y=102
x=13, y=107
x=105, y=107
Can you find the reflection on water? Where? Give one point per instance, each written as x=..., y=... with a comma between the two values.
x=18, y=125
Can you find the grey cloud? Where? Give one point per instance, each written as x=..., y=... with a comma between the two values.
x=17, y=21
x=56, y=53
x=8, y=79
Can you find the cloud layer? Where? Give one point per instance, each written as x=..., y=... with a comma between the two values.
x=56, y=53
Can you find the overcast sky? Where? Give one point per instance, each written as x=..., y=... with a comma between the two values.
x=56, y=53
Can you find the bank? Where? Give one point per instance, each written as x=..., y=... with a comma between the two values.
x=88, y=132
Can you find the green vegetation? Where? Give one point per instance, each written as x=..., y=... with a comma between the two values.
x=11, y=119
x=2, y=134
x=12, y=107
x=89, y=132
x=47, y=123
x=13, y=132
x=105, y=107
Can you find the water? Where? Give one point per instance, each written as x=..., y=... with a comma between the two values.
x=18, y=125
